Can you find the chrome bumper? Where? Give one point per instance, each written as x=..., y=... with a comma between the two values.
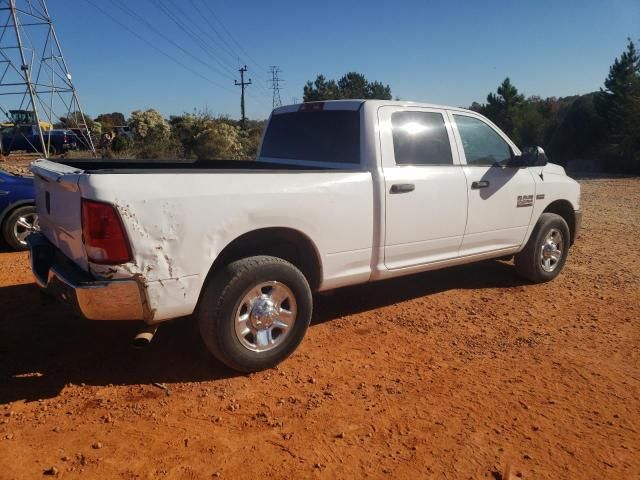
x=93, y=299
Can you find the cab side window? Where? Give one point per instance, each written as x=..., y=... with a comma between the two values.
x=482, y=144
x=420, y=138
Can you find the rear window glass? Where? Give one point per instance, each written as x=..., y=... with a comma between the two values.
x=325, y=136
x=420, y=138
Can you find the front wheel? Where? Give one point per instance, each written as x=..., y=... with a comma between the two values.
x=545, y=254
x=254, y=312
x=18, y=225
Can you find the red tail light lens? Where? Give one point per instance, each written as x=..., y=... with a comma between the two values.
x=104, y=236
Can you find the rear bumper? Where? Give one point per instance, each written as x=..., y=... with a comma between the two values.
x=92, y=299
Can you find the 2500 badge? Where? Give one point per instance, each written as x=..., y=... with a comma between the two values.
x=524, y=201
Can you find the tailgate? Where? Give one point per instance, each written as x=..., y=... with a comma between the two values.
x=58, y=201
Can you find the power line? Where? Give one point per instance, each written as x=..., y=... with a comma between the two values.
x=275, y=86
x=202, y=43
x=220, y=41
x=228, y=49
x=139, y=18
x=213, y=13
x=160, y=51
x=199, y=41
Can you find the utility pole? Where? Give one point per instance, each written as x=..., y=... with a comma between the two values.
x=242, y=84
x=35, y=87
x=275, y=85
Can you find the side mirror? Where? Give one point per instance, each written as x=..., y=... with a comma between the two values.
x=531, y=157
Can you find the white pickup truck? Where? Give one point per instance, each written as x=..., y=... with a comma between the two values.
x=342, y=192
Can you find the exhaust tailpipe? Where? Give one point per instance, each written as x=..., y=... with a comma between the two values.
x=144, y=337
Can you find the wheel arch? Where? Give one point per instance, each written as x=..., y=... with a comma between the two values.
x=282, y=242
x=565, y=209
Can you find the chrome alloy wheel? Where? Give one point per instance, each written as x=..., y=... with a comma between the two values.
x=265, y=316
x=25, y=226
x=551, y=250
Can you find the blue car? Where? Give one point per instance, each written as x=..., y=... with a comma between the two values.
x=18, y=216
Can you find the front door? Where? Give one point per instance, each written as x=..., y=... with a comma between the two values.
x=426, y=190
x=500, y=197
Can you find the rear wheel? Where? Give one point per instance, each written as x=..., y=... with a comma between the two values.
x=546, y=251
x=18, y=225
x=254, y=312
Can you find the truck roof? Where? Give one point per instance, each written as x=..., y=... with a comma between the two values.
x=355, y=104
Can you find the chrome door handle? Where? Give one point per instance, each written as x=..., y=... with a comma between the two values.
x=480, y=184
x=402, y=188
x=4, y=192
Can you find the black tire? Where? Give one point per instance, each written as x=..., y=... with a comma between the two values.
x=9, y=227
x=222, y=297
x=529, y=262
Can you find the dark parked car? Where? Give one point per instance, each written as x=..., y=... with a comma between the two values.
x=83, y=137
x=25, y=137
x=18, y=217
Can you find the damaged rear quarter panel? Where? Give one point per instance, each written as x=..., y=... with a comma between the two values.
x=177, y=224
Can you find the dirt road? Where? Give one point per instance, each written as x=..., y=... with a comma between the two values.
x=462, y=373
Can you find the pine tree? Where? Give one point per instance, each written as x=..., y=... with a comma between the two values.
x=351, y=85
x=502, y=106
x=619, y=104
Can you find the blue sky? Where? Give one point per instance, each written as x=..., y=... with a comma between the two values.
x=435, y=51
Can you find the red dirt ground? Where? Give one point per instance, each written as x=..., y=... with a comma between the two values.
x=460, y=373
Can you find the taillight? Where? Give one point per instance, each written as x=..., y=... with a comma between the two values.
x=65, y=139
x=103, y=233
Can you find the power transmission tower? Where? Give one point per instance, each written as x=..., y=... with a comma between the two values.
x=242, y=84
x=275, y=71
x=35, y=83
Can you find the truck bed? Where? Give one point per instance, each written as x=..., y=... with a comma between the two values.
x=98, y=166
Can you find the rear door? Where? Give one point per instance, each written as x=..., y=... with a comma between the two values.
x=500, y=197
x=426, y=191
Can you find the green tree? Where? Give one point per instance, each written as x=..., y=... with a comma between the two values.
x=74, y=120
x=219, y=140
x=149, y=124
x=321, y=89
x=503, y=105
x=152, y=135
x=185, y=129
x=351, y=85
x=206, y=137
x=577, y=130
x=110, y=120
x=619, y=105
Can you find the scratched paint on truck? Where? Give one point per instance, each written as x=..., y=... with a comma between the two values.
x=176, y=236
